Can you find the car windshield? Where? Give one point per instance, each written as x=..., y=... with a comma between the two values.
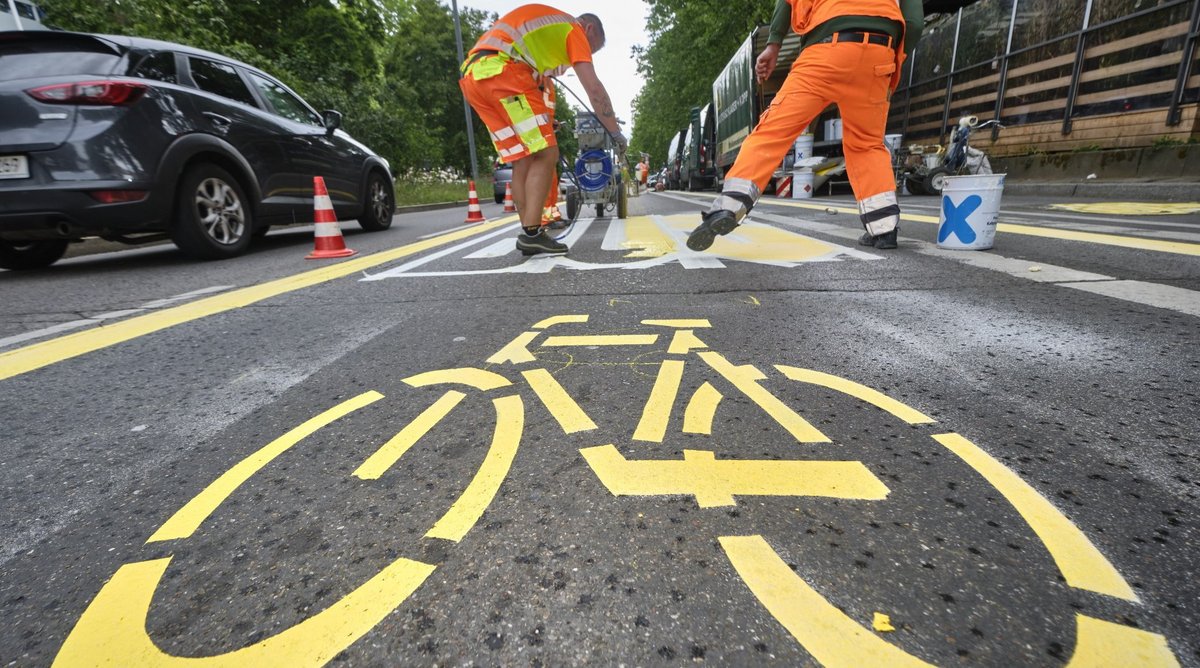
x=26, y=58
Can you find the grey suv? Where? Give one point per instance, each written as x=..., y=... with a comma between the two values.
x=134, y=139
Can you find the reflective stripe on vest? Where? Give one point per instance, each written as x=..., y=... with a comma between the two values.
x=525, y=123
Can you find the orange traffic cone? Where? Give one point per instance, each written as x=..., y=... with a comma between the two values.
x=509, y=207
x=328, y=240
x=474, y=213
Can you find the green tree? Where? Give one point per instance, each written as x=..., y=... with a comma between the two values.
x=690, y=42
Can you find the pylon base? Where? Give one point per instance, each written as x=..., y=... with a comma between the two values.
x=327, y=254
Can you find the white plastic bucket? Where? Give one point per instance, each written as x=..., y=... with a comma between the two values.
x=802, y=183
x=803, y=148
x=968, y=213
x=892, y=142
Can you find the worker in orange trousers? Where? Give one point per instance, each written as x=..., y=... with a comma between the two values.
x=506, y=79
x=851, y=55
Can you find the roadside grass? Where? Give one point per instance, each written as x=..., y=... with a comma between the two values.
x=412, y=189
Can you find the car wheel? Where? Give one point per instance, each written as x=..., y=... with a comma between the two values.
x=212, y=215
x=31, y=254
x=380, y=204
x=936, y=181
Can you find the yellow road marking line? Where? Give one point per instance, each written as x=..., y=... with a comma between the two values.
x=1100, y=643
x=746, y=378
x=602, y=340
x=1131, y=208
x=38, y=355
x=112, y=631
x=856, y=390
x=476, y=378
x=1137, y=243
x=684, y=342
x=715, y=482
x=701, y=409
x=657, y=413
x=389, y=453
x=515, y=351
x=187, y=519
x=559, y=320
x=570, y=416
x=1081, y=564
x=466, y=511
x=832, y=637
x=681, y=324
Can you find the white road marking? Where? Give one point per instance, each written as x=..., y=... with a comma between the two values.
x=111, y=315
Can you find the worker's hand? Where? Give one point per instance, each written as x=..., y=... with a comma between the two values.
x=766, y=62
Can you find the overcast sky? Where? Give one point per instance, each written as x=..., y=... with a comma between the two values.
x=624, y=26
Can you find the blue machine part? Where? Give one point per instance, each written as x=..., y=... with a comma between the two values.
x=594, y=169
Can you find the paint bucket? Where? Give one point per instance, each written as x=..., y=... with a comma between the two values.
x=803, y=148
x=833, y=129
x=802, y=183
x=970, y=205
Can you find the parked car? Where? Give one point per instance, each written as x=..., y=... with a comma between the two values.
x=501, y=177
x=134, y=139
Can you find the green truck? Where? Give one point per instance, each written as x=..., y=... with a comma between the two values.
x=698, y=168
x=738, y=99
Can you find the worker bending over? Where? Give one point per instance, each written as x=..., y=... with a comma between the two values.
x=506, y=80
x=851, y=53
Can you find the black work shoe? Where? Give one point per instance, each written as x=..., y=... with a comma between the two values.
x=867, y=239
x=712, y=223
x=532, y=244
x=885, y=241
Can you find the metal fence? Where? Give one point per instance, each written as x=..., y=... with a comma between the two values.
x=1058, y=74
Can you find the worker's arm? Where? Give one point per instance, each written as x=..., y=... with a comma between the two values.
x=914, y=23
x=598, y=96
x=781, y=25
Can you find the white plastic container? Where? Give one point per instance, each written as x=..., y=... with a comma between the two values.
x=803, y=148
x=802, y=183
x=969, y=208
x=892, y=142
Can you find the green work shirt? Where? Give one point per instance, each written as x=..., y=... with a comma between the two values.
x=914, y=22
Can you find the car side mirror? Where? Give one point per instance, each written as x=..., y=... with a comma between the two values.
x=332, y=120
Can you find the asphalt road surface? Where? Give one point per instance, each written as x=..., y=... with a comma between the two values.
x=790, y=450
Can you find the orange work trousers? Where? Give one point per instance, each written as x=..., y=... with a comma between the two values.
x=855, y=76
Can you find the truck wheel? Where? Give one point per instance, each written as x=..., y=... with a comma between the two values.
x=380, y=204
x=213, y=220
x=20, y=255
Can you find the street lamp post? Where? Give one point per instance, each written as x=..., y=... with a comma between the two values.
x=466, y=107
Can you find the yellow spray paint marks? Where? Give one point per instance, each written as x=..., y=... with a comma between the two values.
x=746, y=379
x=644, y=238
x=684, y=342
x=516, y=352
x=565, y=410
x=476, y=378
x=1080, y=562
x=701, y=409
x=714, y=482
x=833, y=638
x=1131, y=208
x=657, y=413
x=602, y=340
x=466, y=511
x=1100, y=644
x=560, y=320
x=849, y=387
x=112, y=631
x=394, y=449
x=187, y=519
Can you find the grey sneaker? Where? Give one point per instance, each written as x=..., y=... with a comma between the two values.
x=532, y=244
x=711, y=224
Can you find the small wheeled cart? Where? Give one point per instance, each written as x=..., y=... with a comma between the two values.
x=599, y=172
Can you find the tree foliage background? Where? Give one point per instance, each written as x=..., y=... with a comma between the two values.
x=390, y=66
x=690, y=42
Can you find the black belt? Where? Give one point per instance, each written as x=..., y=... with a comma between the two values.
x=482, y=53
x=859, y=37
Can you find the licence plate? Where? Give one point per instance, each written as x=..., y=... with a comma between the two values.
x=14, y=167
